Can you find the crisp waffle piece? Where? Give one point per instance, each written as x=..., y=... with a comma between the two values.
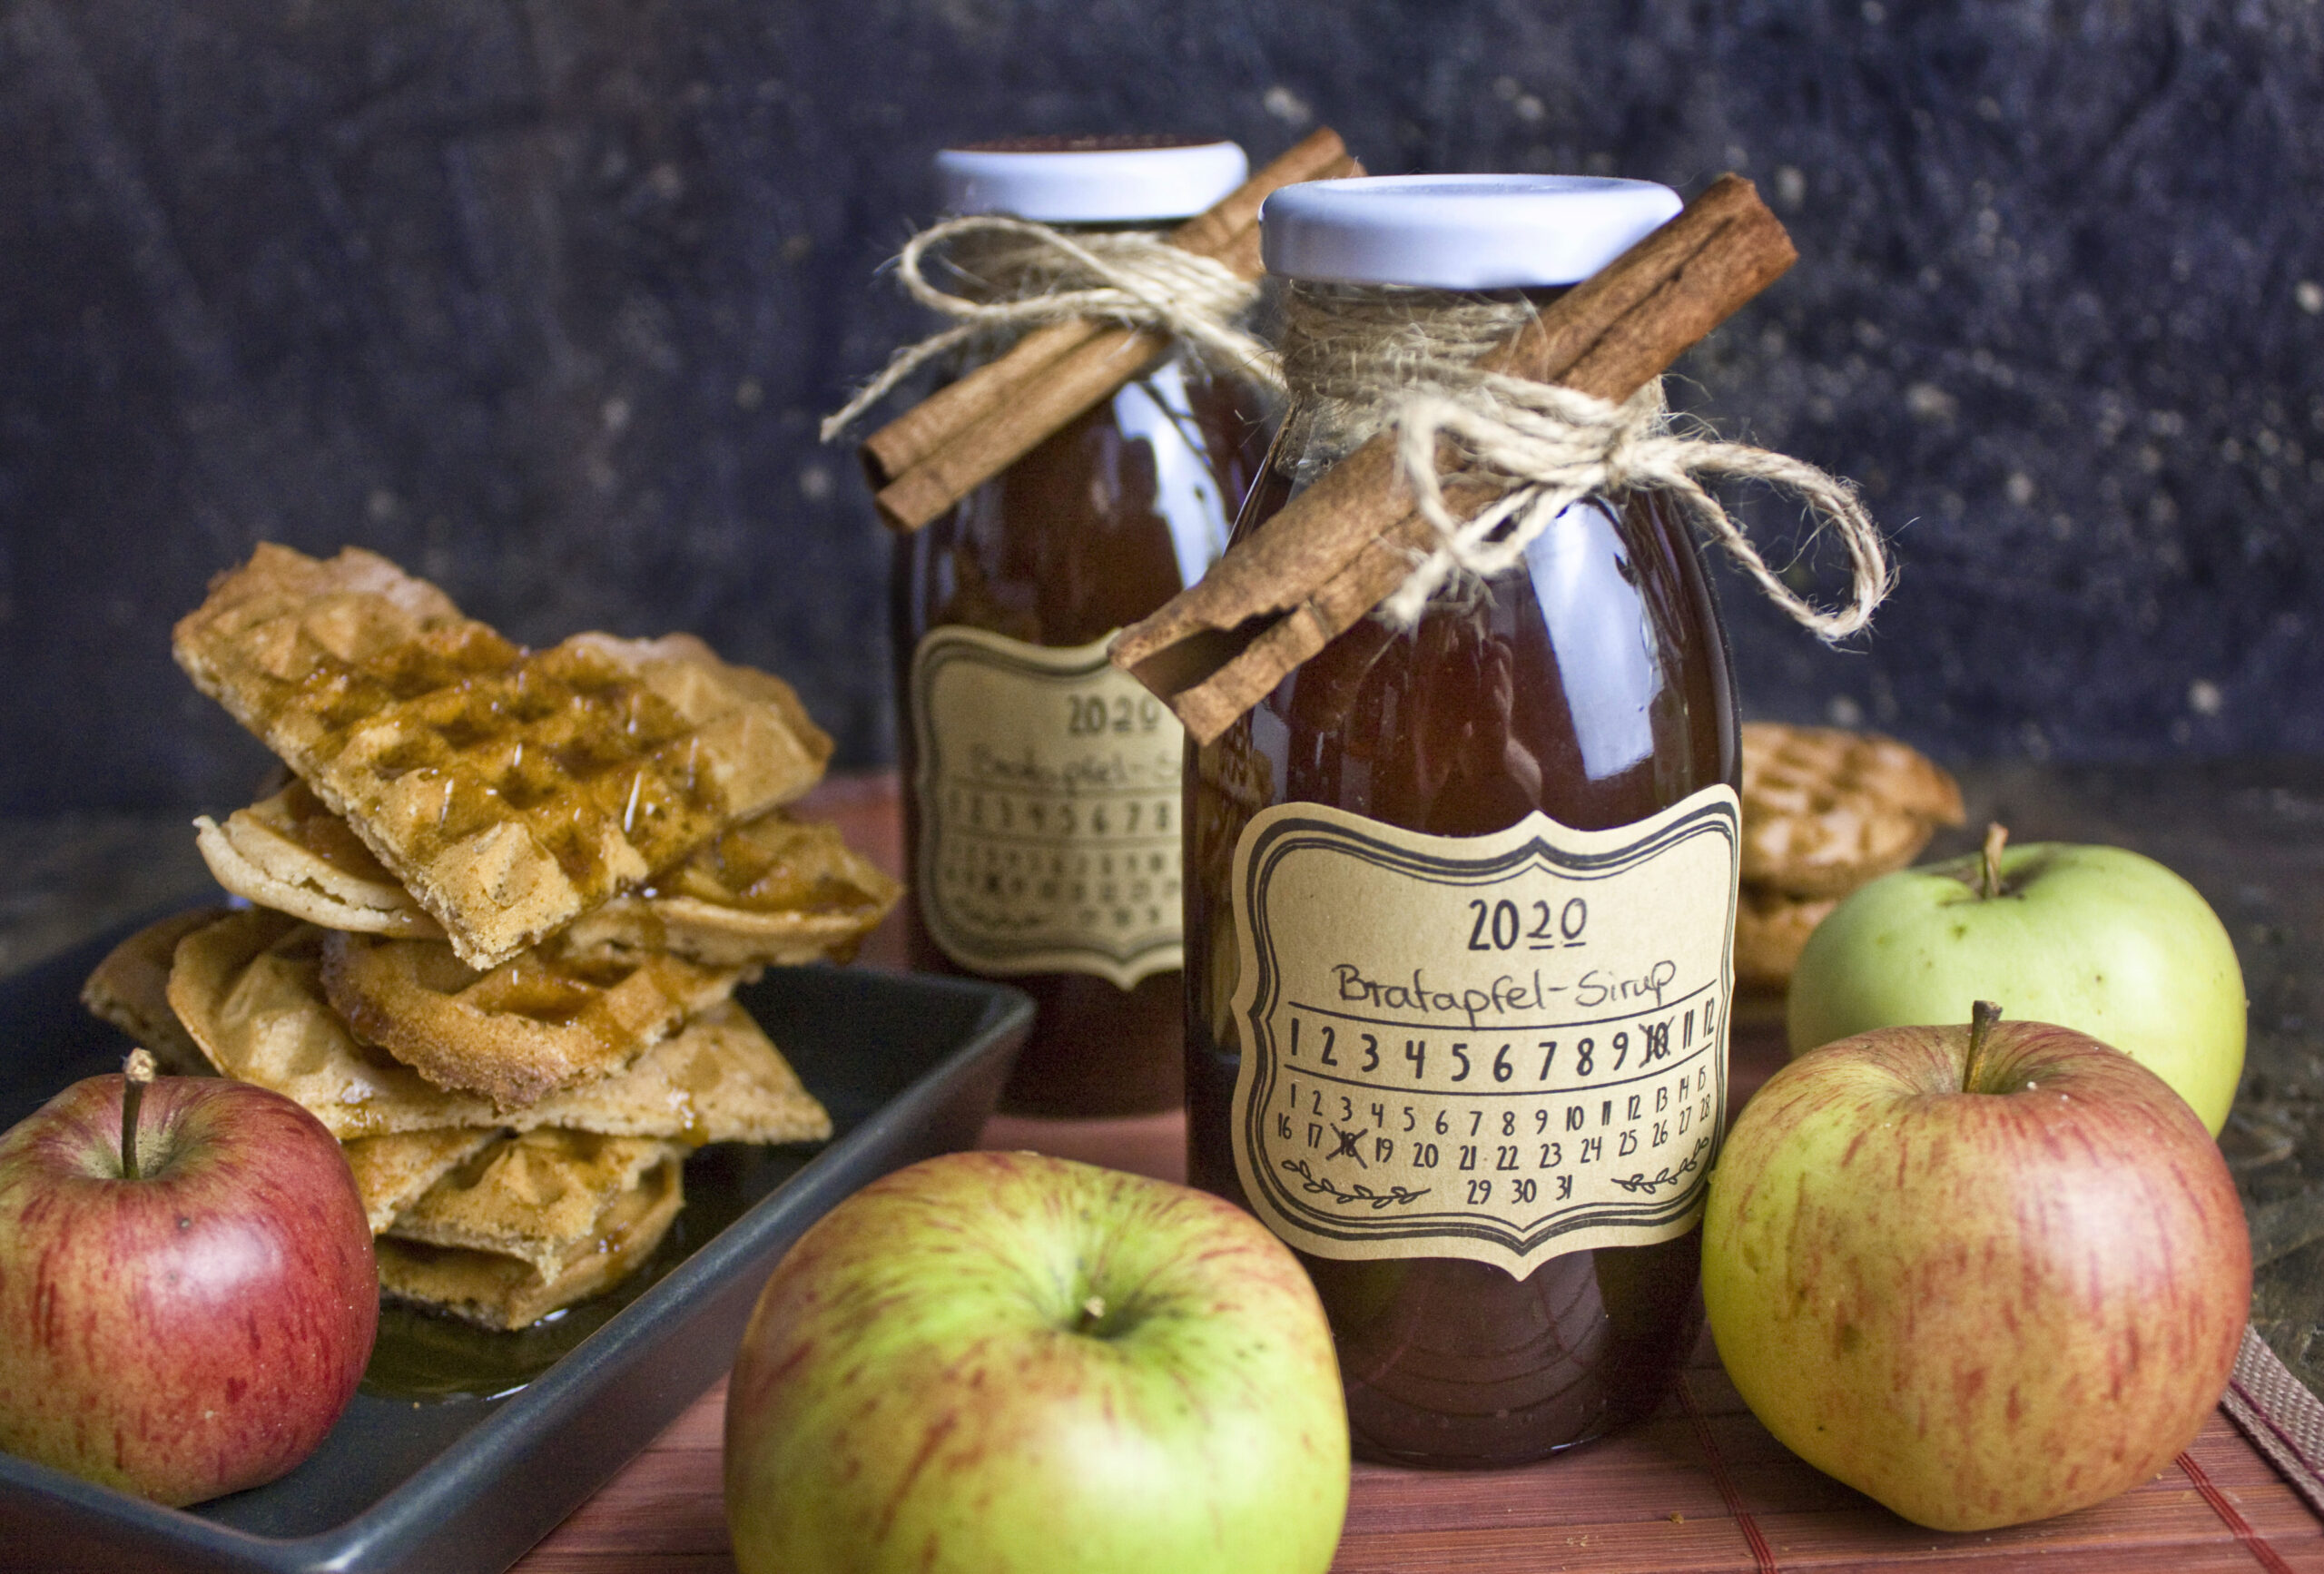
x=518, y=1032
x=537, y=1196
x=289, y=853
x=510, y=790
x=718, y=1080
x=1770, y=930
x=1825, y=810
x=503, y=1291
x=391, y=1173
x=249, y=988
x=131, y=990
x=771, y=891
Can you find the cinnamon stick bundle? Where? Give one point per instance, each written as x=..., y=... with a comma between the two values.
x=1342, y=546
x=969, y=431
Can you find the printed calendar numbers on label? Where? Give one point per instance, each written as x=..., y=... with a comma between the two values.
x=1504, y=1047
x=1048, y=790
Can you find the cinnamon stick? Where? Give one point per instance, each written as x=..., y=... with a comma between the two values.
x=1345, y=544
x=969, y=430
x=1011, y=419
x=959, y=404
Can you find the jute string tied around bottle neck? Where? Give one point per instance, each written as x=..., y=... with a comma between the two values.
x=1362, y=360
x=1028, y=274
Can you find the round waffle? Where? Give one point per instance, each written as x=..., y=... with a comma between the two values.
x=248, y=986
x=1825, y=810
x=1770, y=930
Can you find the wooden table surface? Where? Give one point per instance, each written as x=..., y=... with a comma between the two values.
x=1700, y=1486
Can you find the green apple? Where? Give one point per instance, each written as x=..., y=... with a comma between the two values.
x=1014, y=1364
x=2100, y=939
x=1982, y=1282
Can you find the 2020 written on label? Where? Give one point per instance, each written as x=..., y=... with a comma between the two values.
x=1046, y=787
x=1502, y=1048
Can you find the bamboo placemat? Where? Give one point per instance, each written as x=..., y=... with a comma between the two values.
x=1700, y=1487
x=2280, y=1415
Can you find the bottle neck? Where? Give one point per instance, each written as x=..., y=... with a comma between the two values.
x=1349, y=350
x=997, y=267
x=994, y=265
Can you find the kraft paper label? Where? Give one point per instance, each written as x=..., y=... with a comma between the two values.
x=1048, y=788
x=1503, y=1047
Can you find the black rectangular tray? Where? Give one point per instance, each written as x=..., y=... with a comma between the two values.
x=909, y=1067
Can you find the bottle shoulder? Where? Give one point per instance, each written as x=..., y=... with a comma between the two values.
x=1099, y=524
x=1590, y=682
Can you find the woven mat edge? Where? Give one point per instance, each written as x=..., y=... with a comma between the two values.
x=2283, y=1420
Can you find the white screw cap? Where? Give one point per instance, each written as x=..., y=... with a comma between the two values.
x=1089, y=180
x=1459, y=231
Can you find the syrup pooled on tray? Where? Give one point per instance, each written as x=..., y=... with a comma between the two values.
x=429, y=1357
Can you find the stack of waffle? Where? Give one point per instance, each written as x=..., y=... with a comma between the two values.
x=1824, y=809
x=501, y=903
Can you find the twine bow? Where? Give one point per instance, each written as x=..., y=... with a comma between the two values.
x=1134, y=277
x=1549, y=446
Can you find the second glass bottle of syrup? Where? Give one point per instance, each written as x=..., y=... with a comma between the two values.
x=1042, y=786
x=1460, y=895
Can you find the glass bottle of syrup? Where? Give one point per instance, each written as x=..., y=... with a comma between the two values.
x=1460, y=895
x=1042, y=786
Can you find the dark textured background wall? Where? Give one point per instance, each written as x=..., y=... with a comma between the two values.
x=543, y=301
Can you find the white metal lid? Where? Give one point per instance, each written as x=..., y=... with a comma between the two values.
x=1458, y=232
x=1089, y=180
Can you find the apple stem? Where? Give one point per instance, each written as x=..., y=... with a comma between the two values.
x=1996, y=838
x=1981, y=1017
x=1093, y=1311
x=138, y=1070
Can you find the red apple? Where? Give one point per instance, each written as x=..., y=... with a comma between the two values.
x=1985, y=1275
x=191, y=1320
x=1003, y=1363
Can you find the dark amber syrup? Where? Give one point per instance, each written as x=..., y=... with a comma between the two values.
x=1592, y=686
x=427, y=1357
x=1070, y=543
